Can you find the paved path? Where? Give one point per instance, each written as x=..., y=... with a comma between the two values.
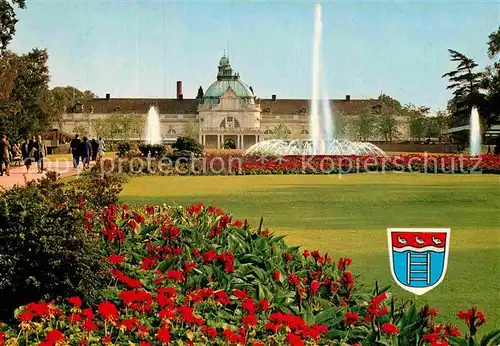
x=18, y=173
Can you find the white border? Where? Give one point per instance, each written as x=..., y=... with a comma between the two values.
x=419, y=290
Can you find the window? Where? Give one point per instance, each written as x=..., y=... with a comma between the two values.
x=229, y=123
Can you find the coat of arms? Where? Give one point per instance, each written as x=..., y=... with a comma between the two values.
x=418, y=257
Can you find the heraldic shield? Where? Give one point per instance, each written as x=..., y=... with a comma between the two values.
x=418, y=257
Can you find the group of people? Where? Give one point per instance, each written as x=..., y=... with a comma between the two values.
x=86, y=150
x=33, y=149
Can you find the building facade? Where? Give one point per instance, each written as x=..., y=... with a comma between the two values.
x=228, y=114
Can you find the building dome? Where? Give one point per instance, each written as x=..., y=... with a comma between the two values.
x=226, y=79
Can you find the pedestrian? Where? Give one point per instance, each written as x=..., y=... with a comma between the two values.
x=25, y=150
x=40, y=154
x=4, y=155
x=101, y=148
x=95, y=146
x=75, y=150
x=85, y=150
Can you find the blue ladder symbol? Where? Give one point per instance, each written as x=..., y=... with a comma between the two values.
x=419, y=267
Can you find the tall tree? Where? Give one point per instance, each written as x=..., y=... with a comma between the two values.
x=29, y=107
x=362, y=125
x=465, y=81
x=417, y=121
x=8, y=21
x=494, y=43
x=491, y=80
x=387, y=126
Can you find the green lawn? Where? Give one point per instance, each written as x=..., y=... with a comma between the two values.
x=348, y=216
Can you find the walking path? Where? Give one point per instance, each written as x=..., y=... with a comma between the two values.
x=18, y=174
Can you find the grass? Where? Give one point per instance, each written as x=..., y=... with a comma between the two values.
x=348, y=216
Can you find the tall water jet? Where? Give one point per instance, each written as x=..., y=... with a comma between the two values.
x=327, y=115
x=314, y=119
x=152, y=130
x=475, y=132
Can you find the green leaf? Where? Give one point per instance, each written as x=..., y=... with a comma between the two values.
x=327, y=314
x=489, y=339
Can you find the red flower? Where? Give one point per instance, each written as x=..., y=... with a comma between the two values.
x=249, y=321
x=314, y=287
x=389, y=328
x=175, y=275
x=277, y=275
x=108, y=310
x=210, y=332
x=306, y=253
x=344, y=263
x=294, y=340
x=164, y=335
x=221, y=297
x=237, y=223
x=239, y=294
x=54, y=336
x=293, y=280
x=76, y=301
x=264, y=305
x=249, y=306
x=132, y=224
x=351, y=318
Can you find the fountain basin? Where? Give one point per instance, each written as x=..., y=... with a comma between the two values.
x=278, y=147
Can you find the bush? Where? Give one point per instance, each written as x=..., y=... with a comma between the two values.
x=187, y=147
x=123, y=149
x=156, y=150
x=44, y=254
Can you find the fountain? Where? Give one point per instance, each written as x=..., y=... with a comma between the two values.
x=152, y=131
x=475, y=132
x=321, y=122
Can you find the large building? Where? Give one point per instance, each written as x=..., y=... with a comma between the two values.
x=227, y=114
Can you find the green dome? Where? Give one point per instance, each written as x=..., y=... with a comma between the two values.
x=226, y=79
x=219, y=87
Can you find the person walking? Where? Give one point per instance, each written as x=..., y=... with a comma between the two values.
x=40, y=154
x=101, y=148
x=4, y=155
x=75, y=150
x=95, y=146
x=25, y=150
x=85, y=152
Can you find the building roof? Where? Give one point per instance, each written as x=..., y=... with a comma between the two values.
x=301, y=106
x=136, y=105
x=190, y=106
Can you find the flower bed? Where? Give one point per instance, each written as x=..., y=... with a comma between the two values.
x=196, y=276
x=234, y=163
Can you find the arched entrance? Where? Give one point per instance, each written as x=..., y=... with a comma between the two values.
x=229, y=144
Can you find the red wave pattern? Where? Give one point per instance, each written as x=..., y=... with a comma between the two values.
x=418, y=239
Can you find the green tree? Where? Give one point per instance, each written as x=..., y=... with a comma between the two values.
x=491, y=81
x=417, y=121
x=494, y=43
x=191, y=130
x=8, y=21
x=362, y=126
x=280, y=131
x=387, y=126
x=29, y=107
x=82, y=130
x=466, y=82
x=68, y=96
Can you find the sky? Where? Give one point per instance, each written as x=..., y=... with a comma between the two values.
x=139, y=48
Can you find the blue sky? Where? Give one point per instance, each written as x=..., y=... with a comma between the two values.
x=138, y=48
